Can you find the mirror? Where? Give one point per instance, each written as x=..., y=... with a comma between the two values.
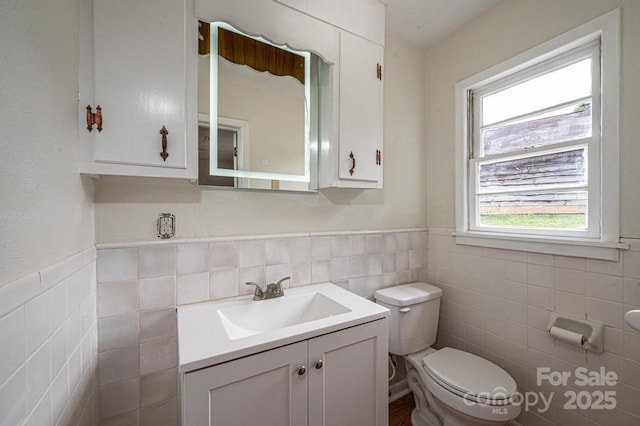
x=257, y=104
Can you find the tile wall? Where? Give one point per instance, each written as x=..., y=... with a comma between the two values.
x=48, y=346
x=497, y=304
x=139, y=287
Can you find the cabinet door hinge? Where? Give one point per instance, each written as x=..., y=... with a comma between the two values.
x=379, y=71
x=378, y=157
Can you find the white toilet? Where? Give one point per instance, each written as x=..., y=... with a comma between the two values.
x=450, y=387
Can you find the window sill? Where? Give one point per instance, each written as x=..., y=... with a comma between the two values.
x=561, y=246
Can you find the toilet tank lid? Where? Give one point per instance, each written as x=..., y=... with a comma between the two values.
x=408, y=294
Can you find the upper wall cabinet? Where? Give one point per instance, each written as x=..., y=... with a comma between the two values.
x=135, y=65
x=360, y=117
x=351, y=127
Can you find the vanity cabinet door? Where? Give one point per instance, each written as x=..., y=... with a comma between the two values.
x=264, y=389
x=348, y=377
x=139, y=77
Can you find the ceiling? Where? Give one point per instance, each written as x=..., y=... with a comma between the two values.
x=421, y=23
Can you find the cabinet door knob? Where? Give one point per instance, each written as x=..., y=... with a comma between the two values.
x=318, y=364
x=353, y=163
x=164, y=154
x=302, y=370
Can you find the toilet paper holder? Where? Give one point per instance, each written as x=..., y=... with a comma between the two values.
x=578, y=332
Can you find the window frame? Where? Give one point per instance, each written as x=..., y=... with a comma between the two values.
x=602, y=239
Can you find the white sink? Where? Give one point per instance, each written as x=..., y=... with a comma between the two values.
x=633, y=319
x=221, y=330
x=256, y=317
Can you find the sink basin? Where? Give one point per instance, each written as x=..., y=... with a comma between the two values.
x=256, y=317
x=217, y=331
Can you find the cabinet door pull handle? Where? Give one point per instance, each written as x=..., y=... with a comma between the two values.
x=302, y=370
x=94, y=118
x=318, y=364
x=164, y=154
x=353, y=163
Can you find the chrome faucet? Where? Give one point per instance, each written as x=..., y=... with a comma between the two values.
x=272, y=290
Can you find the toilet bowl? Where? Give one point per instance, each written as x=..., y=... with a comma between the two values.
x=451, y=387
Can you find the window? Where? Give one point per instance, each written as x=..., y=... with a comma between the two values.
x=537, y=148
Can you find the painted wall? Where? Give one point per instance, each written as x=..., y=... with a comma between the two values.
x=126, y=209
x=47, y=211
x=504, y=31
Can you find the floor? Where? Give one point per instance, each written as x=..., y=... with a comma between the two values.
x=400, y=411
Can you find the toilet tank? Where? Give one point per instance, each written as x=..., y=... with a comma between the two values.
x=415, y=309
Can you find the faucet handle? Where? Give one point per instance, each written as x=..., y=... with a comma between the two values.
x=279, y=283
x=257, y=294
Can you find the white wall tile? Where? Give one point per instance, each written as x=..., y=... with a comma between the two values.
x=158, y=324
x=13, y=399
x=157, y=292
x=119, y=364
x=37, y=316
x=12, y=342
x=540, y=275
x=373, y=244
x=192, y=258
x=158, y=355
x=320, y=271
x=277, y=251
x=164, y=414
x=223, y=256
x=373, y=264
x=59, y=394
x=403, y=242
x=389, y=243
x=118, y=332
x=251, y=253
x=570, y=280
x=192, y=288
x=158, y=387
x=41, y=414
x=157, y=261
x=631, y=291
x=119, y=398
x=117, y=265
x=540, y=297
x=117, y=299
x=340, y=246
x=607, y=287
x=631, y=264
x=358, y=245
x=604, y=312
x=58, y=305
x=223, y=284
x=571, y=303
x=58, y=350
x=38, y=374
x=300, y=273
x=402, y=260
x=604, y=267
x=320, y=248
x=299, y=249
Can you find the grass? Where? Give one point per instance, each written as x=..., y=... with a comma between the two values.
x=557, y=221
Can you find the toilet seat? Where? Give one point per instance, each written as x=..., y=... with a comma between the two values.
x=470, y=377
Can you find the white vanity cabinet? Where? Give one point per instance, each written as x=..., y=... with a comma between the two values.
x=135, y=64
x=339, y=378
